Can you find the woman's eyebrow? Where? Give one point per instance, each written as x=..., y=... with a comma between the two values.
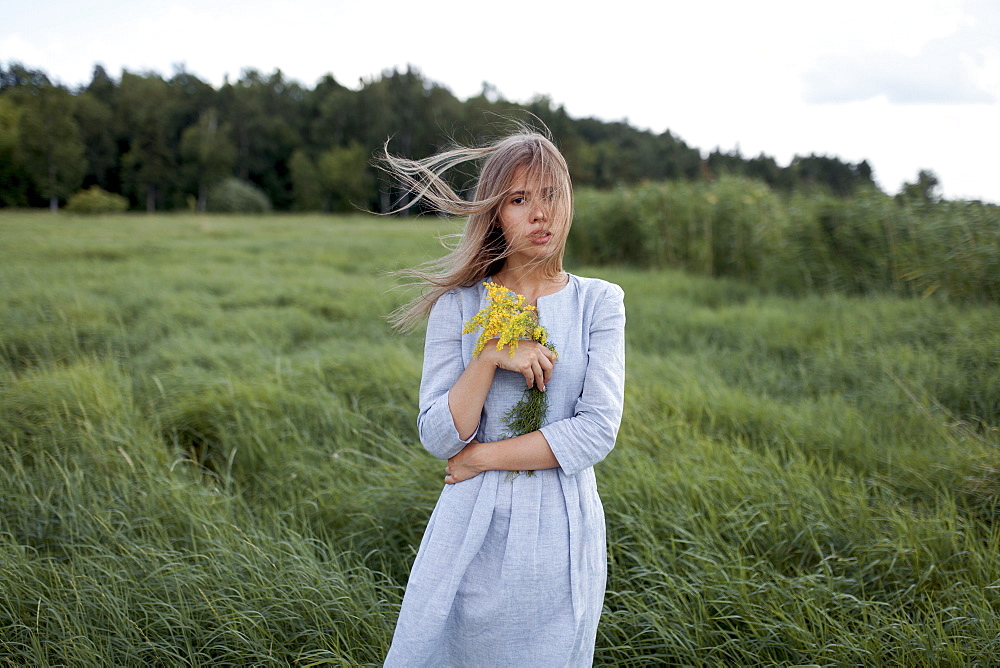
x=547, y=190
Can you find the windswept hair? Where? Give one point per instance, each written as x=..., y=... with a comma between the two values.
x=481, y=248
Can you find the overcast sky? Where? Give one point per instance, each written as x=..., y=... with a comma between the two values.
x=905, y=84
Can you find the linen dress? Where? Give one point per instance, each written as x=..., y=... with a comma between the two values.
x=512, y=571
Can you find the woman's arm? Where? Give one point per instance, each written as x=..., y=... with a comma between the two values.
x=530, y=452
x=451, y=394
x=577, y=442
x=580, y=441
x=442, y=367
x=468, y=395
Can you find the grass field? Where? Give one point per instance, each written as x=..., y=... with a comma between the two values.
x=208, y=457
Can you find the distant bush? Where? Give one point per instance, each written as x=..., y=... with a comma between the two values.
x=739, y=228
x=95, y=200
x=237, y=196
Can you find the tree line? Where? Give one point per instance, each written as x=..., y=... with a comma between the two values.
x=163, y=143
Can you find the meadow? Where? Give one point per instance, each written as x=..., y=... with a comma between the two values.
x=208, y=456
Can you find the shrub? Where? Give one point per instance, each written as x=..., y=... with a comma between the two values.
x=739, y=228
x=95, y=200
x=233, y=195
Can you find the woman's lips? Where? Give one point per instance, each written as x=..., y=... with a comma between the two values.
x=541, y=238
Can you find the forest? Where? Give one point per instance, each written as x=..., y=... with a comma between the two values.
x=171, y=143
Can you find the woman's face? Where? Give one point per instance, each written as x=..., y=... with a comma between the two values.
x=528, y=219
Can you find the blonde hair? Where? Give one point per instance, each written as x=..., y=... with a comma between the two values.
x=481, y=248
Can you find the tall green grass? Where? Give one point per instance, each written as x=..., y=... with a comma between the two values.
x=795, y=244
x=208, y=456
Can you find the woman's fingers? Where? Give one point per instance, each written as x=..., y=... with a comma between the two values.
x=531, y=359
x=545, y=367
x=539, y=375
x=535, y=372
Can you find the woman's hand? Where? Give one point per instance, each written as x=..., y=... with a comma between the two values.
x=462, y=466
x=532, y=360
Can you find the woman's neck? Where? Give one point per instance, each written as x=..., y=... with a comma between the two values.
x=530, y=282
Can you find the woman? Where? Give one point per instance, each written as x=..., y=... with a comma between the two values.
x=511, y=569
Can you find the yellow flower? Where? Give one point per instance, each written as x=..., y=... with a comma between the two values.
x=507, y=318
x=539, y=334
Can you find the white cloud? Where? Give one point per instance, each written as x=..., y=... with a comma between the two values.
x=956, y=67
x=938, y=75
x=21, y=50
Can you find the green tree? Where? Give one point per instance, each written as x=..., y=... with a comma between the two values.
x=208, y=153
x=332, y=115
x=731, y=163
x=190, y=98
x=620, y=153
x=307, y=187
x=17, y=77
x=764, y=168
x=95, y=119
x=840, y=178
x=13, y=179
x=49, y=143
x=923, y=190
x=148, y=164
x=345, y=177
x=267, y=117
x=102, y=86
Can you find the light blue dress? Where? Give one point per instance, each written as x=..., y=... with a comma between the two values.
x=511, y=572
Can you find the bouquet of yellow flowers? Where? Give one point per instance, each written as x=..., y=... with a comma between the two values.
x=509, y=320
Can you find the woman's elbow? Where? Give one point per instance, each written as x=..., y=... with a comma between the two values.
x=604, y=446
x=601, y=440
x=442, y=450
x=604, y=435
x=442, y=446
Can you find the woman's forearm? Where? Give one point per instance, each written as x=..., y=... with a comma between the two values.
x=468, y=394
x=530, y=452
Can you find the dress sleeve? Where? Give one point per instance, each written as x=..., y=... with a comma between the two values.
x=580, y=441
x=443, y=364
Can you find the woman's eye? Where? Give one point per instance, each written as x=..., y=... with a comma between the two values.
x=517, y=200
